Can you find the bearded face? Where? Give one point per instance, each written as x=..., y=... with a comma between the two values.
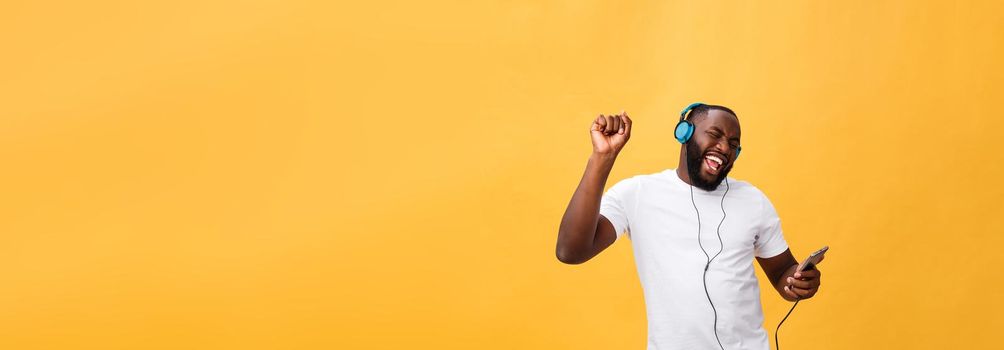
x=707, y=168
x=711, y=151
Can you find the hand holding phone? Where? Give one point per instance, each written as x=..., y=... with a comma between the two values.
x=802, y=288
x=813, y=259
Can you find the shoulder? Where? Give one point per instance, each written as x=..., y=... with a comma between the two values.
x=636, y=183
x=749, y=191
x=746, y=187
x=636, y=180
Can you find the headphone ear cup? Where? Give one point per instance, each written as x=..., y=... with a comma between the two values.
x=684, y=130
x=738, y=149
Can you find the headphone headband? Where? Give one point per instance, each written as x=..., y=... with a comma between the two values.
x=683, y=114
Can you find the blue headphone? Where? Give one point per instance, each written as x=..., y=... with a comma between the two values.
x=685, y=129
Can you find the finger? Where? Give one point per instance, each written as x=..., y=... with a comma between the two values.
x=807, y=274
x=627, y=124
x=620, y=122
x=600, y=123
x=813, y=283
x=610, y=125
x=799, y=283
x=801, y=292
x=617, y=124
x=787, y=290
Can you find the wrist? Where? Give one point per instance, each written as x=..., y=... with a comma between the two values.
x=789, y=272
x=607, y=157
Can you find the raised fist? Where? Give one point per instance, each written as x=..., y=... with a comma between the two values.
x=610, y=133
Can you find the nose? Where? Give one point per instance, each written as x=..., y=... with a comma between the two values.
x=727, y=149
x=724, y=147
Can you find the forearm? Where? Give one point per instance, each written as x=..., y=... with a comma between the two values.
x=578, y=225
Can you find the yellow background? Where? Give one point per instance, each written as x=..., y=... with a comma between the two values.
x=286, y=174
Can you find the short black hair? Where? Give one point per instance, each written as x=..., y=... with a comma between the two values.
x=702, y=110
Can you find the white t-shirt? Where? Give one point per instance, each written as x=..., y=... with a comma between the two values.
x=655, y=211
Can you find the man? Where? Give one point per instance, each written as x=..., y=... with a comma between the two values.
x=694, y=237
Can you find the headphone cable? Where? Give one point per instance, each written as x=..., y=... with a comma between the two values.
x=709, y=258
x=777, y=345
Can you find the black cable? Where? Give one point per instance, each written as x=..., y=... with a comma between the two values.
x=721, y=243
x=777, y=345
x=709, y=258
x=721, y=248
x=705, y=279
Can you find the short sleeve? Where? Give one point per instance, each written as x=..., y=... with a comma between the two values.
x=617, y=204
x=769, y=239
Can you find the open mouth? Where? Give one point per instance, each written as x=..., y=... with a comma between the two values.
x=713, y=163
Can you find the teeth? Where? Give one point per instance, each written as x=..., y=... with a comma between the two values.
x=717, y=160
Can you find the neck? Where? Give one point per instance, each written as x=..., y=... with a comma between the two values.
x=681, y=170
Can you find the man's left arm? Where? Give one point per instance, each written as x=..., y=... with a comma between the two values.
x=792, y=286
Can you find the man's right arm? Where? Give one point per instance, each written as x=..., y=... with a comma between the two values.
x=584, y=233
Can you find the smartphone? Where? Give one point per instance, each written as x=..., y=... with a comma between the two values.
x=812, y=260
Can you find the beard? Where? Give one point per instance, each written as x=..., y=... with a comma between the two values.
x=694, y=160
